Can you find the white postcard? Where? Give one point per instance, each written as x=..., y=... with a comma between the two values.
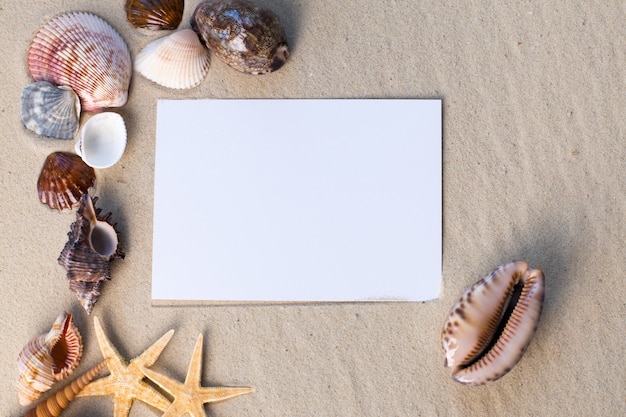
x=297, y=200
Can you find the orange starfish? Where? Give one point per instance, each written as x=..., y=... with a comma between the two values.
x=125, y=381
x=190, y=397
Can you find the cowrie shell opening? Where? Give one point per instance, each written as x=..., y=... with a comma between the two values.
x=490, y=327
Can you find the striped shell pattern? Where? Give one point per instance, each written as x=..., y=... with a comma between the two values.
x=490, y=327
x=82, y=51
x=48, y=358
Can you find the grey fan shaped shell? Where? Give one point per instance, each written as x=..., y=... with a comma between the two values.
x=49, y=110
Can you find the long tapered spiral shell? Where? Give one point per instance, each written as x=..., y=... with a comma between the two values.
x=84, y=52
x=53, y=406
x=48, y=358
x=93, y=243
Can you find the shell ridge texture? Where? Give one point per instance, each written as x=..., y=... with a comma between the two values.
x=492, y=324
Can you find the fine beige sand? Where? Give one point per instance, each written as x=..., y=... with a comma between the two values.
x=534, y=160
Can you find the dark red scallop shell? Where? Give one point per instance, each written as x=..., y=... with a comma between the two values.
x=155, y=14
x=64, y=178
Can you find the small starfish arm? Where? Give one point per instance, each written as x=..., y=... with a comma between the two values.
x=190, y=397
x=125, y=382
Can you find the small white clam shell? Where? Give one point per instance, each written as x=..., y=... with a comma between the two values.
x=102, y=140
x=175, y=61
x=84, y=52
x=490, y=327
x=49, y=110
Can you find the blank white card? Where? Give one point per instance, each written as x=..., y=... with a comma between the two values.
x=297, y=200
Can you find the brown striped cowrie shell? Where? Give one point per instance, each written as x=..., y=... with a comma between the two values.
x=55, y=404
x=48, y=358
x=490, y=327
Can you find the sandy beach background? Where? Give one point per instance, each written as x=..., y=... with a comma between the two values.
x=533, y=168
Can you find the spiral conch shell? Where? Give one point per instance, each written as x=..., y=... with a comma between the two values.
x=48, y=358
x=492, y=324
x=54, y=405
x=93, y=243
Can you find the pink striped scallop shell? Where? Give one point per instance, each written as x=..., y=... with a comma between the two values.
x=82, y=51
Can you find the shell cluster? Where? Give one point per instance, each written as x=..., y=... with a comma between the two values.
x=93, y=243
x=48, y=358
x=247, y=37
x=492, y=324
x=63, y=180
x=84, y=52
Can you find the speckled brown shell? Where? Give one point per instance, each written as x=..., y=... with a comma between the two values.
x=490, y=327
x=93, y=243
x=84, y=52
x=48, y=358
x=155, y=14
x=247, y=37
x=55, y=404
x=63, y=180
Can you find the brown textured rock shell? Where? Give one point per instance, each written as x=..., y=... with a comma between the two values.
x=63, y=180
x=492, y=324
x=93, y=243
x=155, y=14
x=84, y=52
x=48, y=358
x=247, y=37
x=55, y=404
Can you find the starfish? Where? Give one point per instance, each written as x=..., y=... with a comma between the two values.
x=125, y=379
x=190, y=397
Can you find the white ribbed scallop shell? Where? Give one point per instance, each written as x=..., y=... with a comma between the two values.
x=49, y=110
x=84, y=52
x=175, y=61
x=48, y=358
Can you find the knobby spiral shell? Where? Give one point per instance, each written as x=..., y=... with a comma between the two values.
x=490, y=327
x=48, y=358
x=93, y=243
